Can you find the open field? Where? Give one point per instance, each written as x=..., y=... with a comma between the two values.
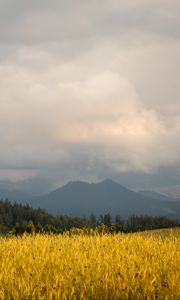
x=132, y=266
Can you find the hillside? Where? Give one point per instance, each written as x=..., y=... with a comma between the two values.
x=81, y=198
x=156, y=195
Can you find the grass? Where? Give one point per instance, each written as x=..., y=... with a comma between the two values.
x=123, y=266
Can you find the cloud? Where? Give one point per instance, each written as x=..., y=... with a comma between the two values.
x=43, y=118
x=44, y=21
x=88, y=89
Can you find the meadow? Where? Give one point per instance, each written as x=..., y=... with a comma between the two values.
x=121, y=266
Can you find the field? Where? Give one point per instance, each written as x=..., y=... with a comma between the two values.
x=122, y=266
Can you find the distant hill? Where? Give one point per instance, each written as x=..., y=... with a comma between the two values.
x=82, y=199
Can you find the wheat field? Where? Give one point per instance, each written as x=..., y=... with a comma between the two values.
x=121, y=266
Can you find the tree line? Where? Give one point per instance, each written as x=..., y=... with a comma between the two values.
x=18, y=218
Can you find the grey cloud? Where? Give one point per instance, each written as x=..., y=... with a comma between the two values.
x=88, y=88
x=102, y=109
x=44, y=21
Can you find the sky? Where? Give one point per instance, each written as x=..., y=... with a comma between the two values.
x=89, y=90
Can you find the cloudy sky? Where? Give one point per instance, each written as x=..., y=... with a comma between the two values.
x=89, y=90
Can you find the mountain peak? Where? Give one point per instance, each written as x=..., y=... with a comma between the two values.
x=107, y=180
x=112, y=183
x=78, y=182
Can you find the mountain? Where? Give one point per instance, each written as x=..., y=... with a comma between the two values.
x=82, y=199
x=156, y=195
x=14, y=195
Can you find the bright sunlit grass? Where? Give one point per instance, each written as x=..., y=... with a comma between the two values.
x=132, y=266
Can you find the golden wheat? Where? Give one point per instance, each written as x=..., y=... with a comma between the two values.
x=132, y=266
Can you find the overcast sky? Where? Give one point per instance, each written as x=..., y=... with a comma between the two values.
x=89, y=90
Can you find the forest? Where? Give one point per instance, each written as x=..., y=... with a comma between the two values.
x=17, y=218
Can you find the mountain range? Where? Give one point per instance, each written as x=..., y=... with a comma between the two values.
x=82, y=198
